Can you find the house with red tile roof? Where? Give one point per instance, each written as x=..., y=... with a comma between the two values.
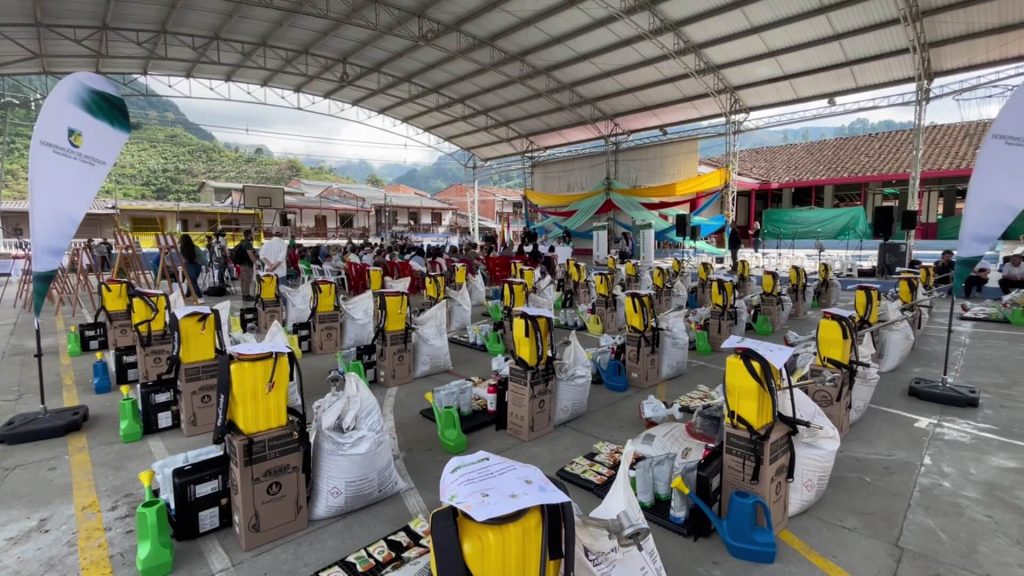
x=868, y=170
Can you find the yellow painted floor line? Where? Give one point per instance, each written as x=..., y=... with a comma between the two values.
x=827, y=566
x=93, y=552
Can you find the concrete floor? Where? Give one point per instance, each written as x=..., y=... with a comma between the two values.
x=917, y=489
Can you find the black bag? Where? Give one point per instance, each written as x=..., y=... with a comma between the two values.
x=216, y=291
x=240, y=256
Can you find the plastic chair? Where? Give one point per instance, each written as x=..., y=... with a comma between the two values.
x=415, y=282
x=614, y=376
x=356, y=274
x=449, y=428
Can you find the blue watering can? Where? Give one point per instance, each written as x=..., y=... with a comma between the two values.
x=614, y=376
x=743, y=537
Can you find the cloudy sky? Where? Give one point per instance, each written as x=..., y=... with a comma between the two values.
x=331, y=139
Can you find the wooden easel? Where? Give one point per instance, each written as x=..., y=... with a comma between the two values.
x=171, y=268
x=88, y=278
x=59, y=289
x=129, y=261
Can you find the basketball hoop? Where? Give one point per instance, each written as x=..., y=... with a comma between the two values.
x=982, y=102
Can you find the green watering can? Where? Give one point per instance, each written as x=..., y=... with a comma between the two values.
x=74, y=342
x=449, y=428
x=129, y=418
x=495, y=344
x=703, y=344
x=495, y=311
x=356, y=367
x=154, y=553
x=763, y=325
x=1017, y=316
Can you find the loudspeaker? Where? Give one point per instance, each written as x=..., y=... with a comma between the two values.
x=908, y=220
x=883, y=222
x=694, y=233
x=682, y=225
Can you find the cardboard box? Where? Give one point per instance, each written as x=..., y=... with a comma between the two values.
x=304, y=332
x=120, y=332
x=158, y=403
x=582, y=294
x=93, y=336
x=126, y=366
x=738, y=465
x=530, y=398
x=662, y=300
x=197, y=397
x=202, y=499
x=153, y=359
x=643, y=362
x=720, y=326
x=836, y=399
x=771, y=307
x=247, y=316
x=604, y=308
x=271, y=313
x=703, y=293
x=799, y=305
x=326, y=333
x=394, y=361
x=268, y=487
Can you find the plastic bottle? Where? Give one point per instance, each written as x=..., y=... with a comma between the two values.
x=74, y=342
x=100, y=375
x=492, y=398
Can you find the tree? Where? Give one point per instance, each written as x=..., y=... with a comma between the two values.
x=375, y=181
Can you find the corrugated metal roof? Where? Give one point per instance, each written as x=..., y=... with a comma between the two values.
x=479, y=74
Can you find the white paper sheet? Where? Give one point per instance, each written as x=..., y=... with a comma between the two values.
x=774, y=353
x=486, y=486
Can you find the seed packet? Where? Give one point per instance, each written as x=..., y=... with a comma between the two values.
x=599, y=469
x=361, y=560
x=607, y=447
x=575, y=468
x=332, y=571
x=401, y=539
x=420, y=526
x=381, y=552
x=414, y=553
x=594, y=477
x=609, y=460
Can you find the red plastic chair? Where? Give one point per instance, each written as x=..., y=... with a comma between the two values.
x=498, y=269
x=434, y=267
x=356, y=278
x=393, y=269
x=416, y=282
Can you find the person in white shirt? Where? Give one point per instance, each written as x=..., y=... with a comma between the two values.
x=1013, y=273
x=274, y=255
x=367, y=257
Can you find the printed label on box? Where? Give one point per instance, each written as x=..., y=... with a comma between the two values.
x=209, y=519
x=161, y=397
x=211, y=487
x=164, y=419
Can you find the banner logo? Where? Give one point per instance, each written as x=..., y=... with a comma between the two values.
x=75, y=137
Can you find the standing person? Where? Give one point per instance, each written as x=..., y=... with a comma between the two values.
x=274, y=255
x=943, y=269
x=755, y=235
x=1013, y=273
x=735, y=243
x=108, y=253
x=192, y=262
x=626, y=247
x=566, y=237
x=241, y=258
x=220, y=258
x=102, y=256
x=94, y=253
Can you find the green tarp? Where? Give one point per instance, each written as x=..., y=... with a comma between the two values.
x=949, y=228
x=815, y=223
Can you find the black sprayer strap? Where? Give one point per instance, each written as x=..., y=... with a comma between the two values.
x=220, y=429
x=446, y=548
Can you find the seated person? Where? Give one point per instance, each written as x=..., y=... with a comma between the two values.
x=944, y=269
x=978, y=279
x=1013, y=273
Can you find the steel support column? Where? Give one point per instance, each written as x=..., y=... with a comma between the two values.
x=474, y=206
x=913, y=25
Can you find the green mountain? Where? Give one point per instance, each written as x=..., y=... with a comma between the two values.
x=165, y=158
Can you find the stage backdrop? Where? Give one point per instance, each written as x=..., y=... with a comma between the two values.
x=78, y=135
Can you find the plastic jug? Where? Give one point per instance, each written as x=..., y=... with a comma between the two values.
x=154, y=553
x=100, y=375
x=449, y=428
x=763, y=325
x=494, y=311
x=743, y=537
x=356, y=367
x=703, y=343
x=129, y=417
x=495, y=344
x=74, y=342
